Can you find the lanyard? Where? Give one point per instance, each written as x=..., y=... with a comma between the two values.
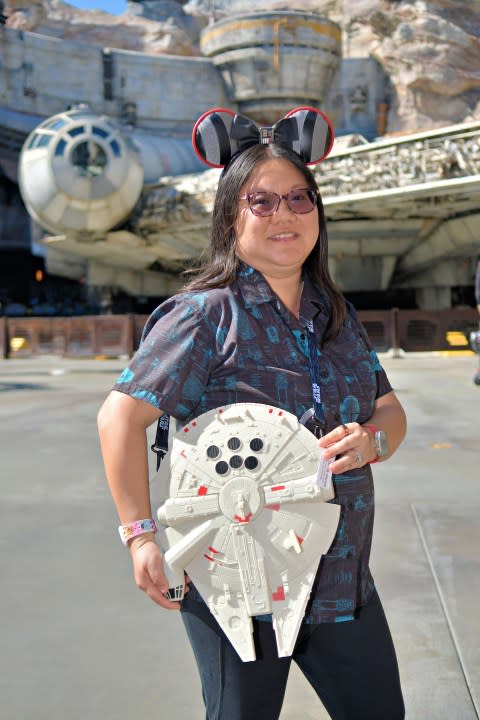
x=314, y=419
x=160, y=446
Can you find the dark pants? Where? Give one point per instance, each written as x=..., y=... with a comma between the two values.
x=351, y=665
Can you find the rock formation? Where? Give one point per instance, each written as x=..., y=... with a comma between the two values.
x=431, y=53
x=429, y=49
x=177, y=34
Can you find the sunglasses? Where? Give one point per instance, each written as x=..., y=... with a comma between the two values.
x=264, y=203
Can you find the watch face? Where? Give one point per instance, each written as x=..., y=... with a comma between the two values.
x=381, y=445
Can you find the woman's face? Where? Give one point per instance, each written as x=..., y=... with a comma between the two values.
x=279, y=244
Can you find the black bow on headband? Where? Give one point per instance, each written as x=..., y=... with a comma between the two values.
x=219, y=134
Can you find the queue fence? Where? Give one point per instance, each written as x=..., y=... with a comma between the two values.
x=119, y=335
x=85, y=336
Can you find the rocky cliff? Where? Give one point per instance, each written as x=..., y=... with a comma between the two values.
x=429, y=49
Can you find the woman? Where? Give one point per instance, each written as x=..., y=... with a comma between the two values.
x=239, y=333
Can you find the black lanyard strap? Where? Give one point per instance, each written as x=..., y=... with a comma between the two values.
x=160, y=446
x=314, y=419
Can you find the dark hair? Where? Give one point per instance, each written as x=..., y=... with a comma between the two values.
x=220, y=263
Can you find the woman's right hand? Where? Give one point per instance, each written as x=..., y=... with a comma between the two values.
x=148, y=570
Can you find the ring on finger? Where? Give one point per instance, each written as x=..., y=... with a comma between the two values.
x=345, y=429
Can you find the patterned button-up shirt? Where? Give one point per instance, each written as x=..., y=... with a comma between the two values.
x=206, y=349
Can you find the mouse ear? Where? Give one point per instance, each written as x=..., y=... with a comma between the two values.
x=315, y=134
x=211, y=137
x=220, y=133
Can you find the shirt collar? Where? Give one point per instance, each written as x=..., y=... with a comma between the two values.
x=255, y=290
x=313, y=300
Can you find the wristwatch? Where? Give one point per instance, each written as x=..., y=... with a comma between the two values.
x=379, y=440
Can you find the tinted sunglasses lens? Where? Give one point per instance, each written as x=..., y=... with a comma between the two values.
x=263, y=203
x=266, y=203
x=301, y=201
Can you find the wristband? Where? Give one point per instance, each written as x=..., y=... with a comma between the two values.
x=136, y=528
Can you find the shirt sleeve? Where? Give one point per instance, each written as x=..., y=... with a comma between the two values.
x=383, y=383
x=171, y=368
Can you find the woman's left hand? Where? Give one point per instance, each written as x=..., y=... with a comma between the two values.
x=352, y=445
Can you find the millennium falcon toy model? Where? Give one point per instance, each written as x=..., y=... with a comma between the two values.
x=246, y=517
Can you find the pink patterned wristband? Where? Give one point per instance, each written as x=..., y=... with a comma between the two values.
x=136, y=528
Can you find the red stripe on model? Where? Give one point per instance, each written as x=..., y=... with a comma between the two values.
x=243, y=519
x=279, y=594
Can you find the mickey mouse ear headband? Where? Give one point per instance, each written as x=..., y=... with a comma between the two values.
x=219, y=134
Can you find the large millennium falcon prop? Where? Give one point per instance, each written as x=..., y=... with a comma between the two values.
x=246, y=518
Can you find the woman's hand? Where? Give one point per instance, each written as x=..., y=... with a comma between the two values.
x=148, y=570
x=352, y=444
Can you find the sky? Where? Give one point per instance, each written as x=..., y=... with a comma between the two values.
x=115, y=7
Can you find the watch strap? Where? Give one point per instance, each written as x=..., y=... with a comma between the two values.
x=373, y=429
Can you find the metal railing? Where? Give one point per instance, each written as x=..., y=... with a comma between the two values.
x=119, y=335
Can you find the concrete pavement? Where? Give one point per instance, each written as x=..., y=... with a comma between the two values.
x=80, y=641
